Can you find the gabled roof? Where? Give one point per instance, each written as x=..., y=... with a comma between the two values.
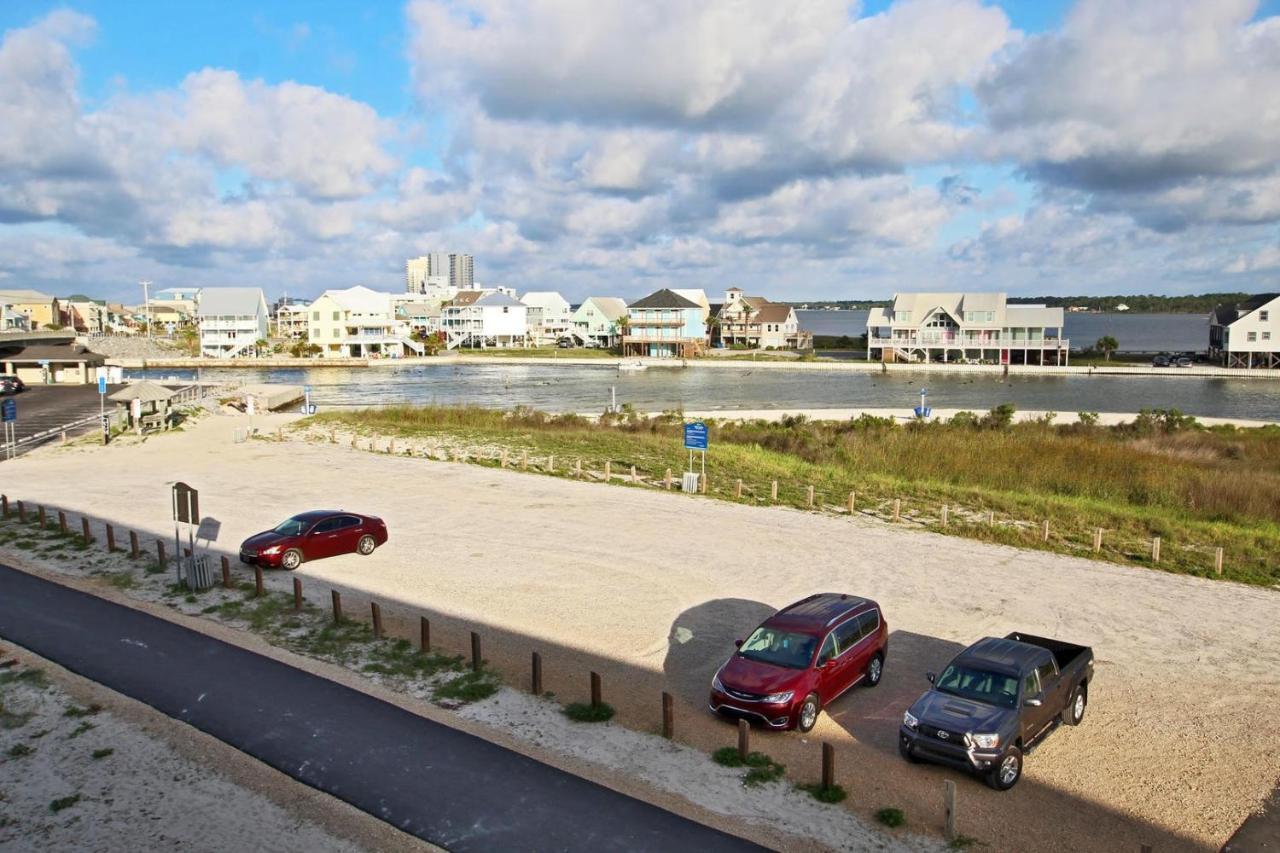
x=773, y=312
x=665, y=298
x=361, y=299
x=231, y=302
x=1225, y=315
x=496, y=298
x=147, y=392
x=24, y=296
x=611, y=307
x=463, y=298
x=545, y=299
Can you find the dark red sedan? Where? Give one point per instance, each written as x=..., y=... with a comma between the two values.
x=313, y=535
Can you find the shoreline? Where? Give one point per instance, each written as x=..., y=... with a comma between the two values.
x=834, y=366
x=905, y=414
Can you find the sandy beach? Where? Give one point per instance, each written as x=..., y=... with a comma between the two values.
x=650, y=589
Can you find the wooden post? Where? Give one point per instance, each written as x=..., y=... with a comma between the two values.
x=577, y=470
x=551, y=464
x=1155, y=549
x=337, y=606
x=773, y=491
x=62, y=521
x=424, y=634
x=1217, y=560
x=853, y=502
x=22, y=511
x=84, y=528
x=897, y=509
x=133, y=545
x=668, y=716
x=226, y=567
x=809, y=497
x=991, y=516
x=279, y=433
x=160, y=556
x=946, y=512
x=1044, y=536
x=1097, y=540
x=828, y=766
x=949, y=805
x=737, y=490
x=666, y=481
x=705, y=482
x=111, y=538
x=744, y=739
x=376, y=612
x=4, y=505
x=596, y=698
x=475, y=652
x=391, y=447
x=524, y=460
x=257, y=582
x=297, y=592
x=634, y=478
x=608, y=471
x=536, y=680
x=40, y=514
x=502, y=462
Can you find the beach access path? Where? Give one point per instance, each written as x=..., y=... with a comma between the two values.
x=432, y=781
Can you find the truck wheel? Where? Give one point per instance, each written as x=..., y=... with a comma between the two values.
x=1006, y=774
x=875, y=669
x=905, y=752
x=291, y=559
x=808, y=715
x=1073, y=714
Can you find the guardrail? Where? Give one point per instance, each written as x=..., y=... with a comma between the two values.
x=34, y=440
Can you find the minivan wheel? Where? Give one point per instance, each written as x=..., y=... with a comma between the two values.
x=1006, y=774
x=875, y=670
x=808, y=716
x=366, y=545
x=291, y=559
x=1073, y=714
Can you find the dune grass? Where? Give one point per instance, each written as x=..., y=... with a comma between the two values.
x=1160, y=475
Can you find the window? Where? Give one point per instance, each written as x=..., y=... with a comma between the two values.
x=1046, y=672
x=828, y=649
x=335, y=316
x=869, y=622
x=315, y=315
x=980, y=685
x=348, y=521
x=1253, y=336
x=848, y=634
x=1263, y=316
x=769, y=645
x=1266, y=336
x=1031, y=685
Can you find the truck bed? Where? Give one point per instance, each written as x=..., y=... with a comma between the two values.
x=1065, y=654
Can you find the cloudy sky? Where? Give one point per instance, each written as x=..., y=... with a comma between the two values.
x=816, y=149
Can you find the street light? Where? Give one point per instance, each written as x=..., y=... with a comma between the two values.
x=146, y=298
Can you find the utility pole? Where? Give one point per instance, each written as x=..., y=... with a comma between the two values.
x=146, y=298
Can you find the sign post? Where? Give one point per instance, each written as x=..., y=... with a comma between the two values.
x=9, y=414
x=102, y=408
x=695, y=438
x=924, y=409
x=186, y=510
x=307, y=408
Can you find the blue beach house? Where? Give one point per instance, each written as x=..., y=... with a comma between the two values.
x=665, y=324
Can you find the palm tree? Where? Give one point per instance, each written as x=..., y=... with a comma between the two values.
x=1107, y=345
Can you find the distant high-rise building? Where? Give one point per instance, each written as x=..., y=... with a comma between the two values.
x=437, y=273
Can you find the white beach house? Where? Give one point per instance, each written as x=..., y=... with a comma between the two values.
x=965, y=327
x=232, y=320
x=477, y=318
x=550, y=316
x=359, y=323
x=1247, y=334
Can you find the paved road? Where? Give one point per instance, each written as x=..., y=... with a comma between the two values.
x=43, y=407
x=442, y=785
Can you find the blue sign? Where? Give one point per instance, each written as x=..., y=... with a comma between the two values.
x=9, y=410
x=695, y=436
x=306, y=389
x=102, y=384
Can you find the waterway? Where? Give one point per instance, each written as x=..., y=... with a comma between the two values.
x=586, y=388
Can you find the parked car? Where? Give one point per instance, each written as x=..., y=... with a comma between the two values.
x=313, y=535
x=565, y=343
x=591, y=343
x=1160, y=361
x=12, y=384
x=996, y=701
x=1183, y=361
x=802, y=659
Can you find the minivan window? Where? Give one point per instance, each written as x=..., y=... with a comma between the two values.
x=780, y=648
x=869, y=623
x=828, y=649
x=847, y=635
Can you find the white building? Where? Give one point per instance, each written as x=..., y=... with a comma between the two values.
x=597, y=319
x=550, y=316
x=177, y=294
x=359, y=323
x=232, y=320
x=292, y=320
x=757, y=323
x=475, y=318
x=439, y=275
x=965, y=327
x=1247, y=334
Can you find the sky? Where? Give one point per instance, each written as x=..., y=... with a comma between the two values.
x=808, y=150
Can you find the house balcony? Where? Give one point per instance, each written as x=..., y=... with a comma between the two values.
x=674, y=322
x=962, y=342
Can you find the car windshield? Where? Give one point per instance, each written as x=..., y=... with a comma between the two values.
x=780, y=648
x=290, y=527
x=993, y=688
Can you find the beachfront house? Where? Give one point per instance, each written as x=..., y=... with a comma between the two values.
x=756, y=323
x=293, y=320
x=966, y=328
x=87, y=316
x=549, y=315
x=480, y=319
x=1247, y=334
x=421, y=316
x=40, y=309
x=665, y=324
x=359, y=323
x=599, y=319
x=232, y=320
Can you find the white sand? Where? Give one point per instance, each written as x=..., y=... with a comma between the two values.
x=1172, y=752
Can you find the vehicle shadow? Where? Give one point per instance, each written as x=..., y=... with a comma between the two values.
x=701, y=639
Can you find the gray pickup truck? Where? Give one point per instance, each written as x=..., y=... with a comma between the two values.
x=995, y=702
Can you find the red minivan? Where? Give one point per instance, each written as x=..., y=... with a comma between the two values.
x=801, y=660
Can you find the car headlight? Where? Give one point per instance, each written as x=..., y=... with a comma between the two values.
x=715, y=682
x=775, y=698
x=985, y=741
x=909, y=720
x=274, y=549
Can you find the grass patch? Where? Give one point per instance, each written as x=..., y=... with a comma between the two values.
x=61, y=803
x=77, y=711
x=891, y=817
x=760, y=767
x=30, y=677
x=154, y=567
x=18, y=750
x=81, y=729
x=825, y=793
x=585, y=712
x=963, y=842
x=102, y=753
x=466, y=688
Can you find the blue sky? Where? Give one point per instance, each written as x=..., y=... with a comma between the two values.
x=813, y=151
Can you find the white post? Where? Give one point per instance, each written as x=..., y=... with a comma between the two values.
x=146, y=298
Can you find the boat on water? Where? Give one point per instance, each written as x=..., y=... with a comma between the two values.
x=631, y=366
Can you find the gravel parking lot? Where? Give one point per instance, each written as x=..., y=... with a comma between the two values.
x=649, y=589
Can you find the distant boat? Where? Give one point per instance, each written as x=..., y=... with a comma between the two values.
x=631, y=366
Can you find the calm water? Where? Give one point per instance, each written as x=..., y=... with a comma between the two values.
x=1134, y=332
x=586, y=389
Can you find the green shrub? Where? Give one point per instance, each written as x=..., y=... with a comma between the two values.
x=891, y=817
x=825, y=793
x=63, y=803
x=585, y=712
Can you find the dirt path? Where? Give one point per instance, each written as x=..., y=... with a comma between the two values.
x=650, y=589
